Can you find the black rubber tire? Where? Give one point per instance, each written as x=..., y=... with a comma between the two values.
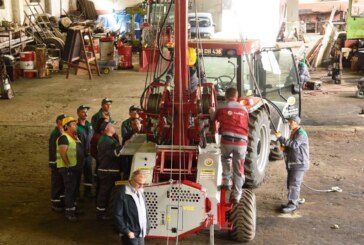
x=244, y=218
x=276, y=153
x=256, y=160
x=9, y=94
x=59, y=43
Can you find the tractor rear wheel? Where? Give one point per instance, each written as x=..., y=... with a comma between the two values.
x=243, y=217
x=256, y=159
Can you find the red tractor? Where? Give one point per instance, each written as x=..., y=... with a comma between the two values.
x=179, y=152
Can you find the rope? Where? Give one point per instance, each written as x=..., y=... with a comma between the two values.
x=333, y=189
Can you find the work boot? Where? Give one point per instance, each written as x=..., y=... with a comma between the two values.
x=70, y=216
x=103, y=216
x=235, y=199
x=79, y=211
x=88, y=192
x=290, y=208
x=284, y=205
x=57, y=209
x=227, y=184
x=300, y=202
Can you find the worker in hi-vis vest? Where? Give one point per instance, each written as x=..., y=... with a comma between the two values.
x=68, y=145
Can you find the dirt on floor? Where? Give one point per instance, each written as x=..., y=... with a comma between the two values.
x=330, y=117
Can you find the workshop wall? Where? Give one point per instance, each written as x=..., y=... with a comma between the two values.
x=5, y=6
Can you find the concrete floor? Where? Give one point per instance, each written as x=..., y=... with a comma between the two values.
x=330, y=117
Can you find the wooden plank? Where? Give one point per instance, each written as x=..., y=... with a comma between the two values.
x=40, y=54
x=312, y=55
x=314, y=48
x=325, y=40
x=290, y=44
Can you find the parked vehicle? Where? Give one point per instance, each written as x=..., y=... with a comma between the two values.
x=202, y=25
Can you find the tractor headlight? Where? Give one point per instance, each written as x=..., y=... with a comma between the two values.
x=291, y=100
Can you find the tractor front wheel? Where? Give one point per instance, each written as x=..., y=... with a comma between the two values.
x=243, y=217
x=256, y=159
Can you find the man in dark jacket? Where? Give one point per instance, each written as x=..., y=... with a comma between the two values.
x=126, y=129
x=95, y=139
x=104, y=112
x=131, y=215
x=57, y=186
x=108, y=154
x=136, y=127
x=233, y=118
x=297, y=157
x=85, y=132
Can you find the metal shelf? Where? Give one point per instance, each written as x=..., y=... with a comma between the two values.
x=7, y=46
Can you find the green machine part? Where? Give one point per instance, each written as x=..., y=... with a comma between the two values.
x=355, y=20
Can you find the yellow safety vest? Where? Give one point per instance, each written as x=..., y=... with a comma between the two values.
x=71, y=153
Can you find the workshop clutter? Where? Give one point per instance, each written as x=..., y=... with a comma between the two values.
x=111, y=46
x=125, y=53
x=39, y=63
x=105, y=45
x=107, y=48
x=6, y=90
x=27, y=60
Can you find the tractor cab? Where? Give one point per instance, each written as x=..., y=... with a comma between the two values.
x=270, y=73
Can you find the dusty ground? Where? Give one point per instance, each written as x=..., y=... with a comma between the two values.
x=330, y=117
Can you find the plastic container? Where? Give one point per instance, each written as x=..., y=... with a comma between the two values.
x=125, y=57
x=27, y=60
x=28, y=74
x=107, y=48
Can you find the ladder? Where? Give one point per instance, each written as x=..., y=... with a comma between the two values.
x=39, y=20
x=76, y=54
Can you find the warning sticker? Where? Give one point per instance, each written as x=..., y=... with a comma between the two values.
x=208, y=162
x=188, y=208
x=207, y=174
